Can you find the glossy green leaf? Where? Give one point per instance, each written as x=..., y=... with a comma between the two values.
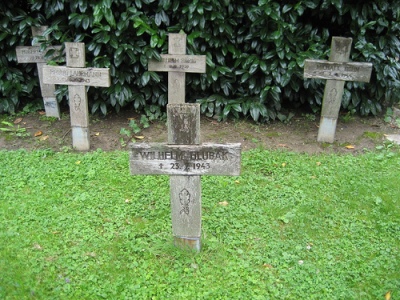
x=248, y=47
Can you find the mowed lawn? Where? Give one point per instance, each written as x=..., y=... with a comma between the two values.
x=292, y=226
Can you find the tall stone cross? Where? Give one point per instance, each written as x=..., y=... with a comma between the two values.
x=33, y=54
x=183, y=157
x=77, y=77
x=337, y=70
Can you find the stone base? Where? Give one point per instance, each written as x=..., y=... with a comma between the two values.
x=192, y=243
x=80, y=138
x=395, y=138
x=327, y=129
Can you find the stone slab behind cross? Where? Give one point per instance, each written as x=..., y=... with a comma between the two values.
x=337, y=70
x=77, y=77
x=34, y=54
x=183, y=157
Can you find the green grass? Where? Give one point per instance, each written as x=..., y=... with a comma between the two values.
x=373, y=135
x=78, y=226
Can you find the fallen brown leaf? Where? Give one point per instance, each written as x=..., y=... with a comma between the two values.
x=38, y=133
x=17, y=120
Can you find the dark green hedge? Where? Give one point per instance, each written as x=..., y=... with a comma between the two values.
x=255, y=51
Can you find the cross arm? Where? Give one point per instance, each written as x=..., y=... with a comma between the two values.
x=33, y=54
x=345, y=71
x=179, y=63
x=76, y=76
x=205, y=159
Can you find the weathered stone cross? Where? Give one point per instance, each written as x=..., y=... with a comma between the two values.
x=33, y=54
x=337, y=70
x=183, y=157
x=77, y=77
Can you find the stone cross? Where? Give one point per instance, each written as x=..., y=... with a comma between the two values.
x=33, y=54
x=77, y=77
x=337, y=70
x=183, y=157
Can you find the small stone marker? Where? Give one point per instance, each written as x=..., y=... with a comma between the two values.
x=183, y=157
x=337, y=70
x=77, y=77
x=395, y=138
x=33, y=54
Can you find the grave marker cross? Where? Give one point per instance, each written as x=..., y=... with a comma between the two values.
x=177, y=63
x=183, y=157
x=33, y=54
x=77, y=77
x=337, y=70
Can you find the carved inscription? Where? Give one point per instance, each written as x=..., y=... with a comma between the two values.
x=184, y=198
x=33, y=54
x=351, y=71
x=74, y=52
x=176, y=84
x=76, y=76
x=77, y=102
x=179, y=63
x=184, y=161
x=81, y=76
x=332, y=95
x=212, y=159
x=182, y=155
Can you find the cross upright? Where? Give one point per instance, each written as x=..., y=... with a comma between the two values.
x=77, y=77
x=337, y=70
x=33, y=54
x=183, y=157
